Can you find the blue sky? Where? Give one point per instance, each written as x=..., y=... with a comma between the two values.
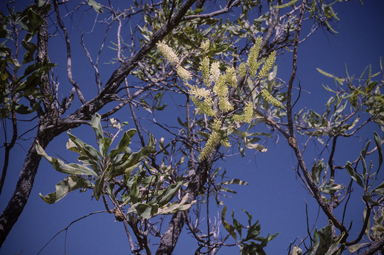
x=273, y=195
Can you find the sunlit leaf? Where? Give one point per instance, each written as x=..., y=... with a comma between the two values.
x=65, y=186
x=60, y=166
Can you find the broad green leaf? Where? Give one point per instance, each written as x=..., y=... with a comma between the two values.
x=65, y=186
x=84, y=148
x=60, y=166
x=169, y=193
x=22, y=109
x=134, y=192
x=131, y=162
x=146, y=211
x=123, y=143
x=176, y=207
x=334, y=248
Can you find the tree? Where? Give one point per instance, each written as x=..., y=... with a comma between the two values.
x=223, y=75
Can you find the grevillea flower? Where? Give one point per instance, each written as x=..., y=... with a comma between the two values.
x=252, y=62
x=213, y=139
x=231, y=77
x=220, y=88
x=215, y=71
x=270, y=99
x=242, y=70
x=225, y=142
x=204, y=67
x=199, y=93
x=267, y=65
x=204, y=107
x=183, y=74
x=205, y=46
x=247, y=116
x=248, y=112
x=224, y=104
x=167, y=53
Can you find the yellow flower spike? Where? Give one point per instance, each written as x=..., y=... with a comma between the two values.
x=183, y=74
x=225, y=142
x=220, y=88
x=167, y=53
x=268, y=65
x=224, y=104
x=215, y=71
x=205, y=71
x=231, y=77
x=212, y=141
x=252, y=58
x=242, y=70
x=270, y=99
x=205, y=46
x=248, y=112
x=216, y=124
x=199, y=93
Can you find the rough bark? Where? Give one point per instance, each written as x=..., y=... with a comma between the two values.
x=375, y=247
x=169, y=239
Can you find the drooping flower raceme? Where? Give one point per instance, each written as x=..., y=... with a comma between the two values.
x=268, y=65
x=168, y=53
x=215, y=71
x=252, y=62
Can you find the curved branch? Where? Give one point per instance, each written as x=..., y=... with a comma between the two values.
x=69, y=57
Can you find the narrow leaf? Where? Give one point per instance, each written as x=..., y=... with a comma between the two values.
x=65, y=186
x=60, y=166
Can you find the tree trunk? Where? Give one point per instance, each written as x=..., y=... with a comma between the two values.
x=169, y=239
x=20, y=196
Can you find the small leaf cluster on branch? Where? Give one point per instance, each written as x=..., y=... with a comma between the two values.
x=112, y=175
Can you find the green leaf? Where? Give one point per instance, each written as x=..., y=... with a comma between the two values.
x=176, y=207
x=234, y=181
x=236, y=223
x=99, y=185
x=356, y=247
x=134, y=192
x=60, y=166
x=65, y=186
x=227, y=226
x=355, y=176
x=85, y=149
x=169, y=193
x=379, y=150
x=130, y=162
x=123, y=143
x=379, y=189
x=146, y=211
x=96, y=6
x=96, y=125
x=34, y=20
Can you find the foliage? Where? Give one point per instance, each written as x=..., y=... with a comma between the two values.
x=13, y=87
x=146, y=195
